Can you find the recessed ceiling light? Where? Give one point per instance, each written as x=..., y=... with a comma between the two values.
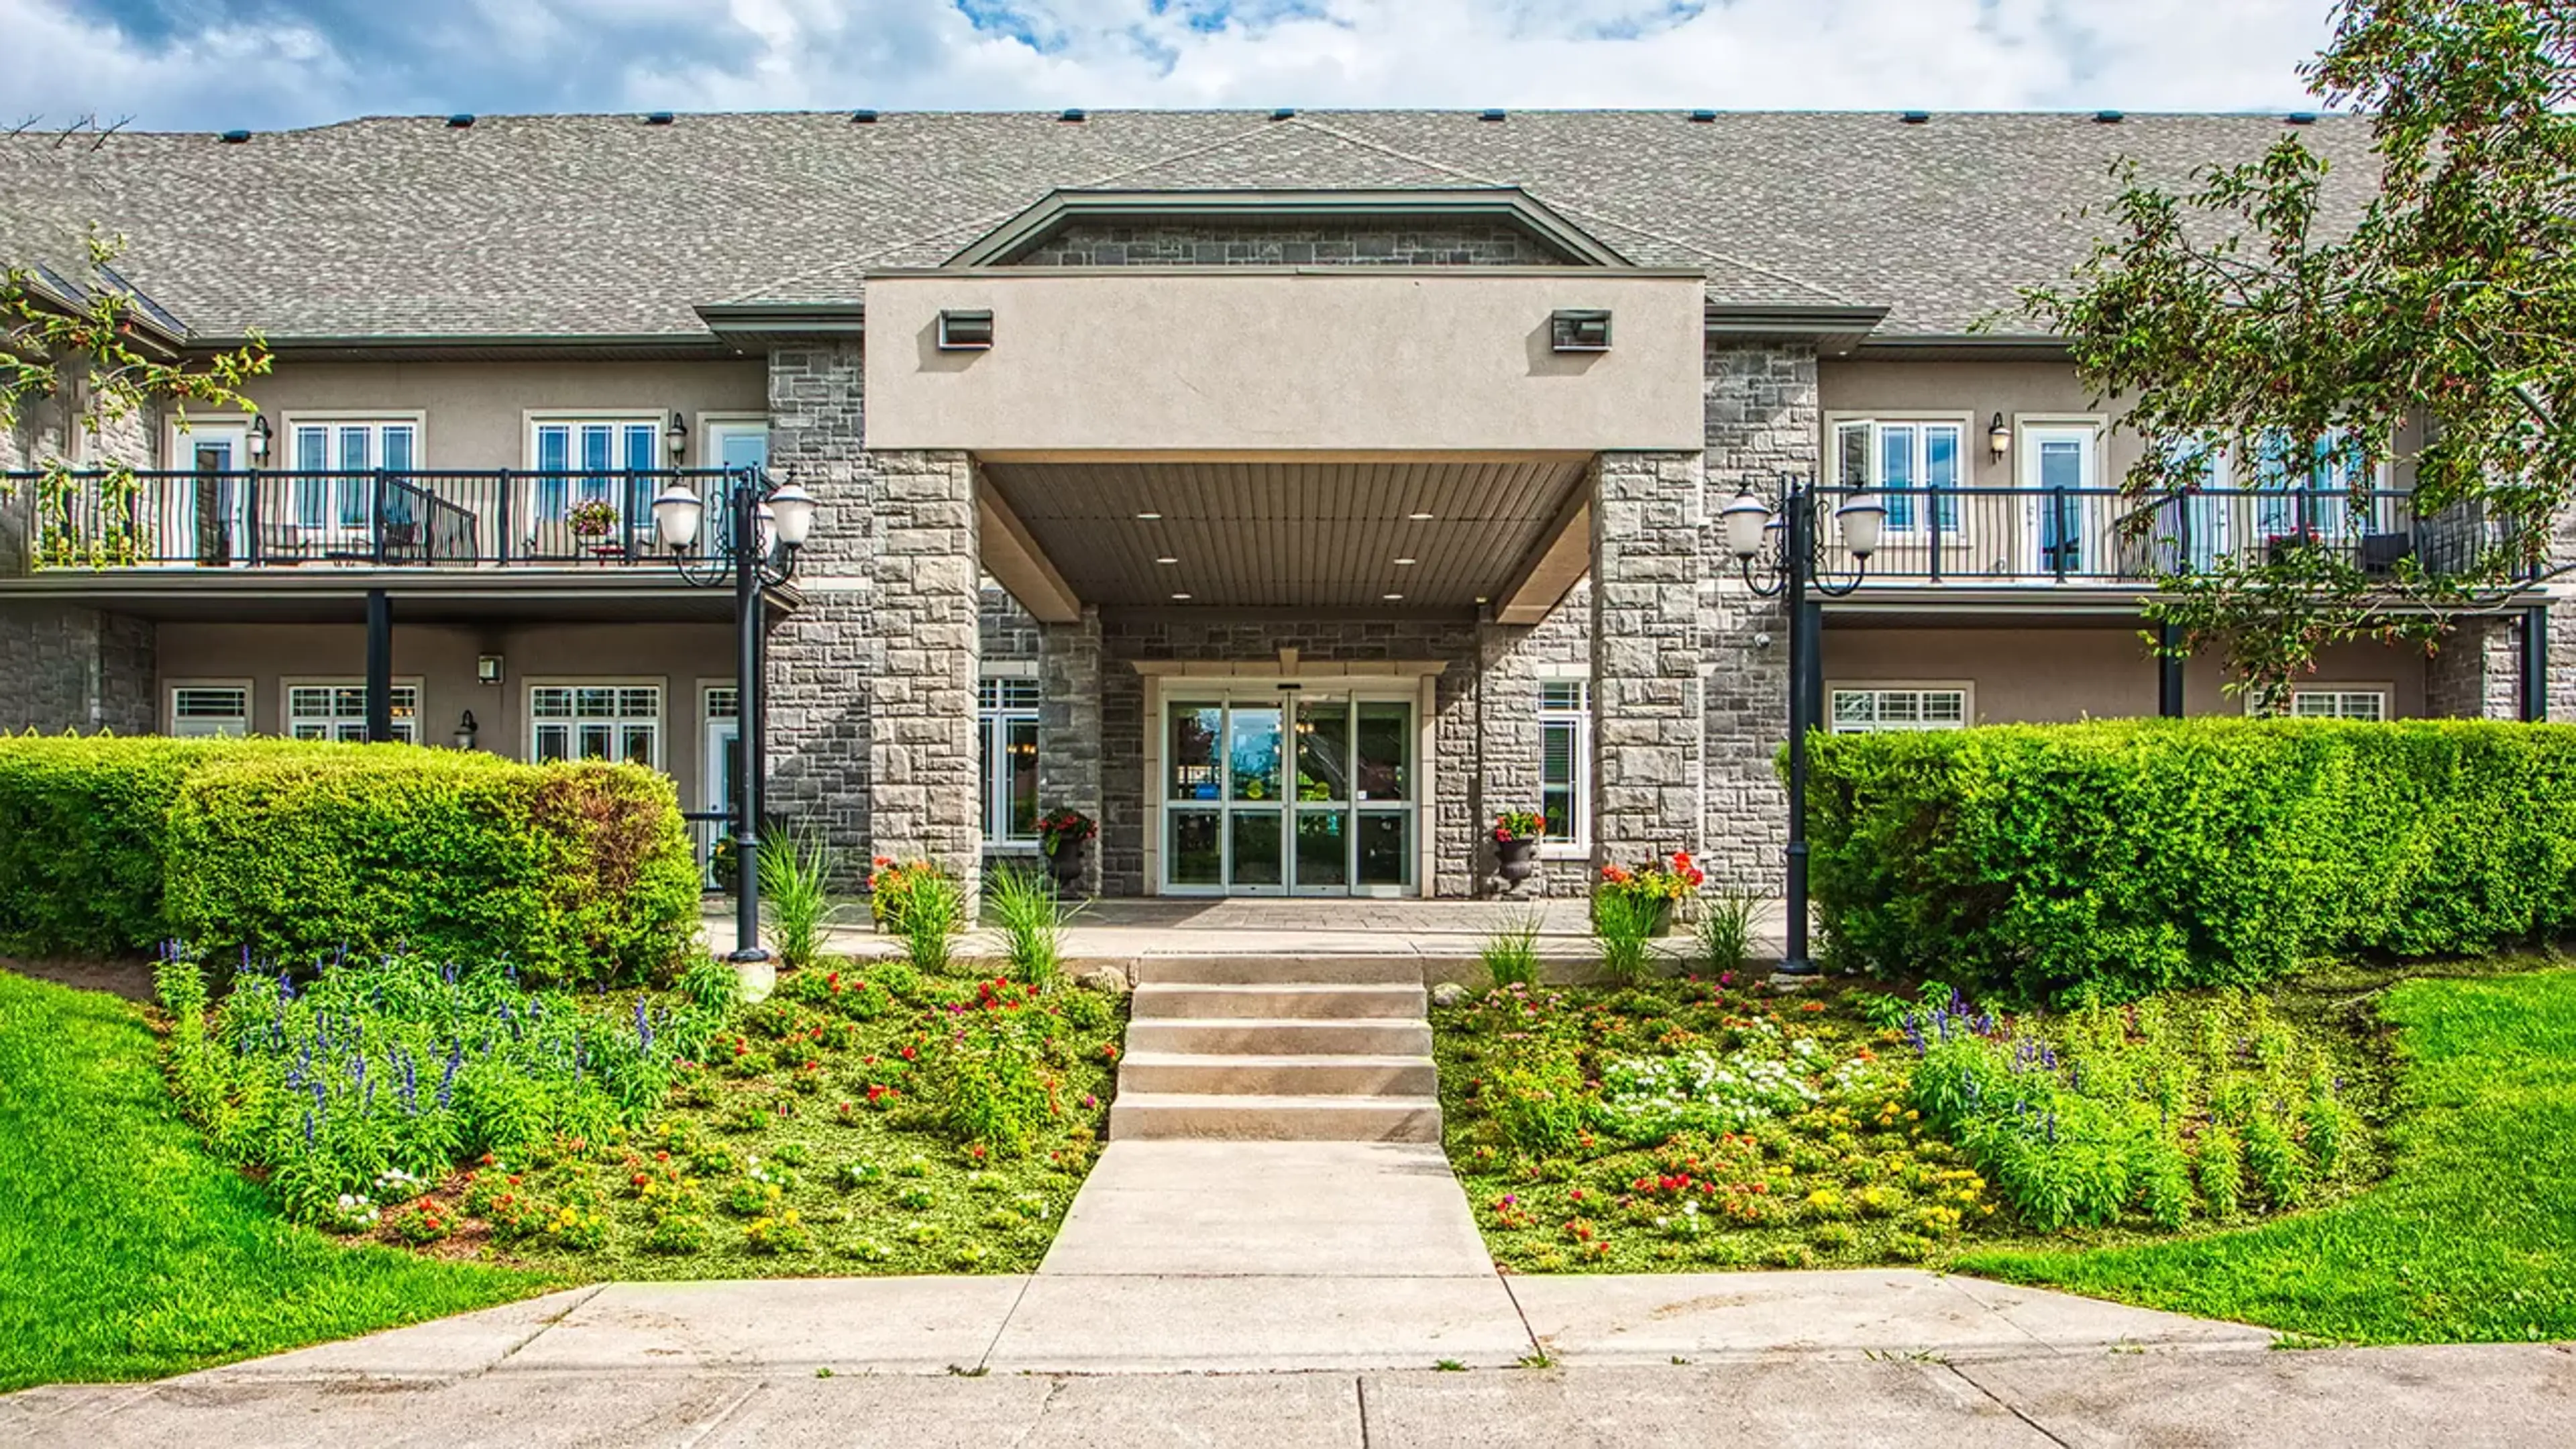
x=1167, y=559
x=1404, y=563
x=1180, y=596
x=1480, y=599
x=1149, y=516
x=1390, y=598
x=1419, y=517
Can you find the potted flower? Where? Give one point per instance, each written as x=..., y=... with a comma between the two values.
x=1516, y=835
x=592, y=518
x=1659, y=885
x=1061, y=836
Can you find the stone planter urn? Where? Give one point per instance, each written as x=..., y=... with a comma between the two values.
x=1516, y=859
x=1064, y=863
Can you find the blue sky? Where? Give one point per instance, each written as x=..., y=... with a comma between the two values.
x=214, y=64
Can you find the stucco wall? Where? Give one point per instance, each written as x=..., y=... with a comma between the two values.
x=680, y=657
x=475, y=413
x=1316, y=361
x=2025, y=675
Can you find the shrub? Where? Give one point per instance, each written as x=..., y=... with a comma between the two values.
x=1510, y=954
x=1624, y=923
x=1725, y=930
x=918, y=901
x=572, y=871
x=796, y=869
x=2115, y=859
x=1032, y=917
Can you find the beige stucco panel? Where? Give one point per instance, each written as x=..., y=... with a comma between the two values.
x=1284, y=361
x=474, y=415
x=2034, y=676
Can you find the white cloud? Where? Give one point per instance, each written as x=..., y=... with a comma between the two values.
x=294, y=62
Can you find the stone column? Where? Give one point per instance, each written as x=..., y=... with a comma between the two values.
x=820, y=655
x=1069, y=728
x=1762, y=417
x=1646, y=655
x=2476, y=673
x=924, y=760
x=1507, y=743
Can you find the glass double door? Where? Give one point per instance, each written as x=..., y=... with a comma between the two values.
x=1292, y=792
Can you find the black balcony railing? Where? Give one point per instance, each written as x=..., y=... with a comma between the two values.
x=413, y=517
x=1995, y=536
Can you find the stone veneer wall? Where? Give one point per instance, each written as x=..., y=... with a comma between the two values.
x=2477, y=672
x=1646, y=688
x=1444, y=243
x=1069, y=743
x=64, y=667
x=925, y=790
x=820, y=736
x=1762, y=420
x=1515, y=660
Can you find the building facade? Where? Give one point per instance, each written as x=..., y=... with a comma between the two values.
x=1291, y=493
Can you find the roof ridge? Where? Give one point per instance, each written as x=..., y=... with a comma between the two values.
x=989, y=220
x=1589, y=216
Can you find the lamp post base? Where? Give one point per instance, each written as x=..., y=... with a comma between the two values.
x=757, y=971
x=1798, y=966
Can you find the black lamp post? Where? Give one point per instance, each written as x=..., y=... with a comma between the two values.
x=765, y=527
x=1793, y=565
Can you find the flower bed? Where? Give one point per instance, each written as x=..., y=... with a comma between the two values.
x=882, y=1121
x=1698, y=1124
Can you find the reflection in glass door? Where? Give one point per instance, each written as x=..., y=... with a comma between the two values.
x=1313, y=796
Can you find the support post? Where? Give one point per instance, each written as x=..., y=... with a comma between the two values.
x=749, y=959
x=2535, y=663
x=2169, y=701
x=380, y=668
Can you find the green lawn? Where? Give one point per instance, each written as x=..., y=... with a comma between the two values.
x=127, y=1251
x=2471, y=1238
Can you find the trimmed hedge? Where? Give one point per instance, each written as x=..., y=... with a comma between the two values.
x=290, y=850
x=2119, y=858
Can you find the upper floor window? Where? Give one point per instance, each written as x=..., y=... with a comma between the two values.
x=335, y=460
x=1564, y=749
x=597, y=460
x=338, y=711
x=1913, y=463
x=1007, y=712
x=1865, y=709
x=201, y=710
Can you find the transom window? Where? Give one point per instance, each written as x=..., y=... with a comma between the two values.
x=1007, y=712
x=338, y=711
x=200, y=711
x=1910, y=462
x=1872, y=708
x=1564, y=745
x=596, y=722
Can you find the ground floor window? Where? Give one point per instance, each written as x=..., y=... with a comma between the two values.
x=199, y=711
x=596, y=722
x=338, y=711
x=1863, y=709
x=1564, y=745
x=2361, y=702
x=1007, y=711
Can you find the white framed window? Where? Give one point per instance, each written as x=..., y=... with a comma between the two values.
x=206, y=709
x=1007, y=711
x=1911, y=462
x=597, y=459
x=1564, y=754
x=336, y=709
x=2368, y=702
x=596, y=720
x=335, y=460
x=1870, y=708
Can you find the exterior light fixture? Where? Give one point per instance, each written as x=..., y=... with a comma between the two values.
x=1998, y=438
x=1180, y=598
x=487, y=669
x=1576, y=330
x=1167, y=560
x=966, y=331
x=676, y=514
x=1419, y=517
x=1149, y=516
x=260, y=436
x=792, y=512
x=1391, y=598
x=465, y=731
x=1405, y=563
x=678, y=438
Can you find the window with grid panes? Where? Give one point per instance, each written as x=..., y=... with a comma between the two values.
x=2360, y=704
x=1861, y=711
x=621, y=722
x=198, y=711
x=1007, y=711
x=339, y=712
x=1564, y=745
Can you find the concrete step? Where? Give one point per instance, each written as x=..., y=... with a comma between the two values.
x=1271, y=1036
x=1281, y=971
x=1274, y=1119
x=1163, y=1000
x=1278, y=1076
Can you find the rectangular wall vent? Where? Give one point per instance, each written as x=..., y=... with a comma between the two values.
x=1571, y=330
x=965, y=331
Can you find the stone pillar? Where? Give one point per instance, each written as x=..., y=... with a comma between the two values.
x=1507, y=745
x=1646, y=717
x=820, y=655
x=2476, y=673
x=1069, y=728
x=1762, y=417
x=925, y=776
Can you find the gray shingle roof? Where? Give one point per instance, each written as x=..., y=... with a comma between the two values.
x=605, y=226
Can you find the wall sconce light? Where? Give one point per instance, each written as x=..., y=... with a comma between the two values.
x=1570, y=330
x=678, y=437
x=965, y=331
x=465, y=731
x=487, y=668
x=260, y=434
x=1998, y=438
